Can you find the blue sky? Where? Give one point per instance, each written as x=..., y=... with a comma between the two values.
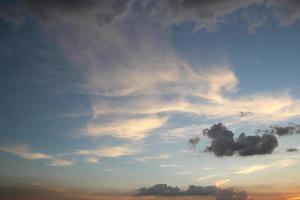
x=106, y=95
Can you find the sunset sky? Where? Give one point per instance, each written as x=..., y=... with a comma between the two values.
x=113, y=95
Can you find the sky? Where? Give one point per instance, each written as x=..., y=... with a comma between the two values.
x=108, y=96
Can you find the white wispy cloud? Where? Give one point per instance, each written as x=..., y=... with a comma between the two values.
x=183, y=172
x=25, y=151
x=207, y=177
x=170, y=166
x=113, y=152
x=260, y=167
x=60, y=162
x=162, y=156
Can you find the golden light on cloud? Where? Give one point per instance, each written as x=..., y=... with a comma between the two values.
x=219, y=183
x=294, y=198
x=272, y=165
x=135, y=129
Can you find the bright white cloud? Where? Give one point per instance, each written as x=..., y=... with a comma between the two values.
x=170, y=166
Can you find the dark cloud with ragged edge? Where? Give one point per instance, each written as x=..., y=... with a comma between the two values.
x=102, y=11
x=292, y=150
x=218, y=193
x=289, y=129
x=194, y=141
x=223, y=142
x=64, y=11
x=207, y=14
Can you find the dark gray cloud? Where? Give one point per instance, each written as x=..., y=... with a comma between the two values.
x=101, y=11
x=219, y=193
x=223, y=142
x=208, y=14
x=160, y=190
x=245, y=114
x=65, y=11
x=292, y=150
x=231, y=194
x=290, y=129
x=11, y=14
x=194, y=141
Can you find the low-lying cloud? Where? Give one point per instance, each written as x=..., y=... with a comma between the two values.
x=218, y=193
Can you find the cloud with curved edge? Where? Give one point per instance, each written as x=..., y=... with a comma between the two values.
x=143, y=76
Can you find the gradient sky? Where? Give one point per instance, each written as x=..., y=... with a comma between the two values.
x=105, y=95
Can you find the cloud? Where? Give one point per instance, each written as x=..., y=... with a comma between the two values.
x=11, y=14
x=162, y=156
x=206, y=14
x=292, y=150
x=62, y=11
x=260, y=167
x=132, y=74
x=183, y=172
x=220, y=194
x=231, y=194
x=218, y=183
x=286, y=12
x=294, y=198
x=207, y=177
x=113, y=152
x=135, y=129
x=290, y=129
x=194, y=141
x=93, y=160
x=60, y=162
x=24, y=151
x=224, y=144
x=209, y=15
x=170, y=166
